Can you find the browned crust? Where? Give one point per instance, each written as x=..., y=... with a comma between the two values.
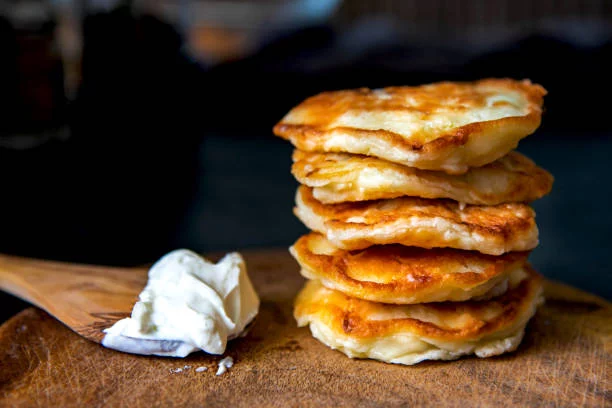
x=429, y=269
x=503, y=221
x=309, y=136
x=351, y=319
x=524, y=182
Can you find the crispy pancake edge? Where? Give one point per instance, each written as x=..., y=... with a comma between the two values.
x=496, y=238
x=333, y=270
x=527, y=184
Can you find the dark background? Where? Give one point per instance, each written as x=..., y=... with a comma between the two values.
x=161, y=147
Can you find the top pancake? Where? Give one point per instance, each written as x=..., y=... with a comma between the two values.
x=447, y=126
x=339, y=177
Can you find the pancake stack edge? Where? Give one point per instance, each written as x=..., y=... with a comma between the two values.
x=421, y=226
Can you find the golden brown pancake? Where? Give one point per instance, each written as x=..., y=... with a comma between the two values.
x=405, y=275
x=420, y=222
x=339, y=177
x=447, y=126
x=408, y=334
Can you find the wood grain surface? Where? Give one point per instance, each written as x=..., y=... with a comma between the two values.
x=563, y=361
x=86, y=298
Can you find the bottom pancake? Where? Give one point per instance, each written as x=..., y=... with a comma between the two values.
x=408, y=334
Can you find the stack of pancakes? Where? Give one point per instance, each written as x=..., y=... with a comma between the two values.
x=421, y=227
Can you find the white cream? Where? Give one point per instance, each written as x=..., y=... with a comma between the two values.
x=188, y=304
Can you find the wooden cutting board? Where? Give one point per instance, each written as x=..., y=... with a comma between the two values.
x=563, y=361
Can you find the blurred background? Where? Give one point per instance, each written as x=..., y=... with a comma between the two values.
x=131, y=128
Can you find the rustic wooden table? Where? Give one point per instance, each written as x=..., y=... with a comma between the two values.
x=563, y=361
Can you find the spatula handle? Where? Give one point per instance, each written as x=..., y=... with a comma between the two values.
x=27, y=278
x=78, y=295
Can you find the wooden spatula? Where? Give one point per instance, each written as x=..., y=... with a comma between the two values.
x=87, y=299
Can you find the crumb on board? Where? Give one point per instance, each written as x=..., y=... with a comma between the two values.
x=224, y=365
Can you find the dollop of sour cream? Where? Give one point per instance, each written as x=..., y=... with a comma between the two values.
x=188, y=304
